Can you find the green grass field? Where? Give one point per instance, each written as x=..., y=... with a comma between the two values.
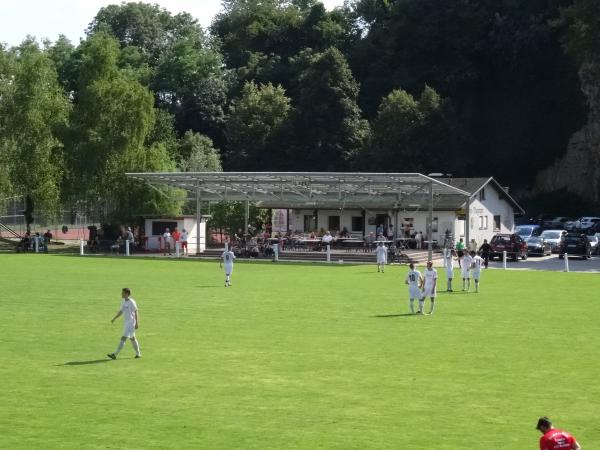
x=290, y=357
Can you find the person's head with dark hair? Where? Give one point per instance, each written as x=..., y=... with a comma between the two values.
x=544, y=424
x=126, y=292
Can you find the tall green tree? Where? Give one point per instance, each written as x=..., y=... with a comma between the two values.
x=174, y=57
x=112, y=121
x=255, y=127
x=329, y=129
x=198, y=154
x=33, y=111
x=412, y=135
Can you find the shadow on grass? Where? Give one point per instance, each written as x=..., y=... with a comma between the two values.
x=83, y=363
x=381, y=316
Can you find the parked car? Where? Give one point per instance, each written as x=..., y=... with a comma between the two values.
x=553, y=237
x=538, y=246
x=513, y=244
x=594, y=243
x=527, y=231
x=557, y=223
x=575, y=244
x=588, y=222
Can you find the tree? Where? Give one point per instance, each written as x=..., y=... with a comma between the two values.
x=256, y=121
x=33, y=111
x=114, y=131
x=328, y=126
x=198, y=154
x=413, y=135
x=173, y=56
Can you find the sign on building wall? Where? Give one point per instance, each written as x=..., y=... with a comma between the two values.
x=279, y=220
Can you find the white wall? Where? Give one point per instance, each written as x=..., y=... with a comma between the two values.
x=187, y=223
x=489, y=207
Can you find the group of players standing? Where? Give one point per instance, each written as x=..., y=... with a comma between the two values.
x=421, y=286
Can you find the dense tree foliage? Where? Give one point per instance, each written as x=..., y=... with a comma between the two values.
x=470, y=88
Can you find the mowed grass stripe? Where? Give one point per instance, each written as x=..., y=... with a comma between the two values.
x=291, y=356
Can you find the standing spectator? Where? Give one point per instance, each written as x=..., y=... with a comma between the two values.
x=485, y=251
x=379, y=231
x=176, y=235
x=460, y=251
x=553, y=439
x=129, y=237
x=369, y=241
x=407, y=229
x=472, y=247
x=47, y=238
x=184, y=242
x=167, y=241
x=419, y=239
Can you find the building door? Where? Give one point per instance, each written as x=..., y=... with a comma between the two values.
x=334, y=224
x=382, y=219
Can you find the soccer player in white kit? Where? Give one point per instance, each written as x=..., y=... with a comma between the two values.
x=227, y=260
x=467, y=262
x=449, y=259
x=381, y=252
x=478, y=262
x=129, y=311
x=429, y=286
x=414, y=281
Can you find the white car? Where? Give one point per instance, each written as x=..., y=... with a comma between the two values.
x=587, y=222
x=553, y=237
x=593, y=243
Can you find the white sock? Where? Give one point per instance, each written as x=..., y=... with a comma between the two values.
x=136, y=347
x=421, y=304
x=469, y=284
x=412, y=306
x=119, y=347
x=432, y=306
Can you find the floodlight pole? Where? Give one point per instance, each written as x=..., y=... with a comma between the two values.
x=468, y=223
x=430, y=225
x=246, y=215
x=198, y=220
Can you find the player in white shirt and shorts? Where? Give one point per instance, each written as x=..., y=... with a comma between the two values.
x=414, y=281
x=227, y=258
x=449, y=260
x=129, y=311
x=467, y=262
x=478, y=262
x=381, y=252
x=429, y=286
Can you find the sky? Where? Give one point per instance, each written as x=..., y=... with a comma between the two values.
x=49, y=18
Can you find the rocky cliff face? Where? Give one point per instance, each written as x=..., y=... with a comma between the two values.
x=578, y=171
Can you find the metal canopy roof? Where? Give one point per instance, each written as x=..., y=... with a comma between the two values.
x=315, y=189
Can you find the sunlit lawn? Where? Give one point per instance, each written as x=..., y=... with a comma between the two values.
x=291, y=356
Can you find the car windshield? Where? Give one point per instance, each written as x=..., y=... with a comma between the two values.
x=573, y=238
x=533, y=240
x=524, y=231
x=551, y=235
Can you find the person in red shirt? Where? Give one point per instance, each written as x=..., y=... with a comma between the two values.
x=176, y=235
x=554, y=439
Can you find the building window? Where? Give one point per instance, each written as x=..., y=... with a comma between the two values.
x=434, y=225
x=482, y=194
x=496, y=223
x=334, y=223
x=309, y=223
x=483, y=222
x=158, y=228
x=358, y=223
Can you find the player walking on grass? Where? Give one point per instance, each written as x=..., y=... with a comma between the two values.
x=415, y=282
x=381, y=252
x=478, y=263
x=554, y=439
x=467, y=262
x=227, y=259
x=429, y=287
x=129, y=311
x=448, y=257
